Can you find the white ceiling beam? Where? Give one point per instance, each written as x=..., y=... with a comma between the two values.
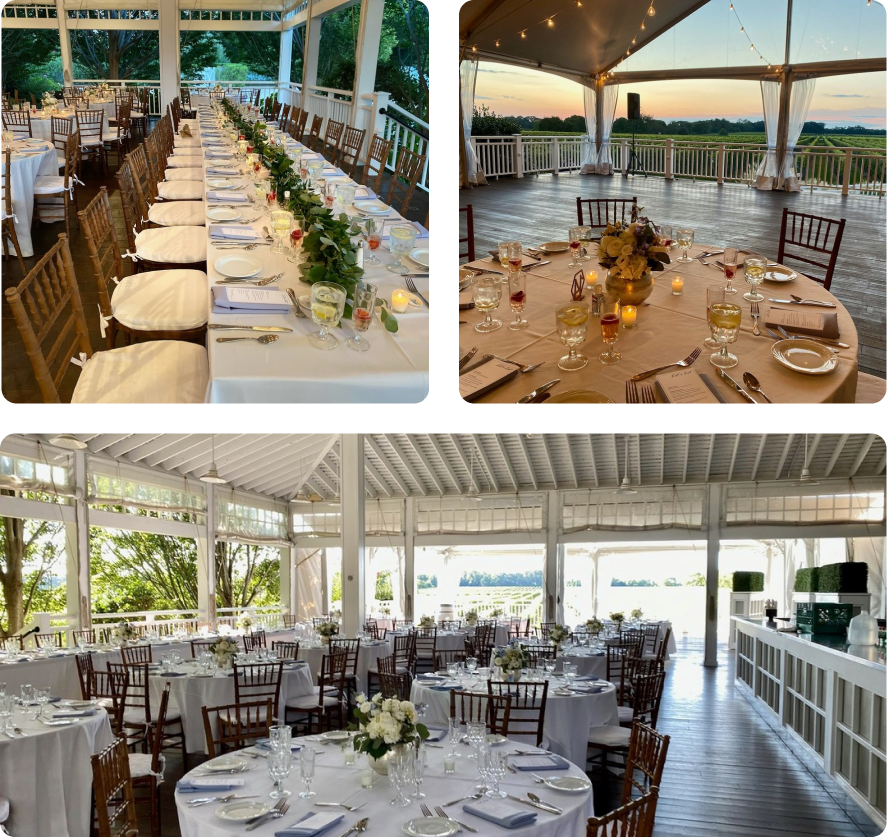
x=522, y=441
x=445, y=461
x=383, y=459
x=161, y=459
x=402, y=456
x=270, y=454
x=130, y=444
x=311, y=482
x=426, y=463
x=836, y=453
x=812, y=447
x=485, y=460
x=507, y=459
x=167, y=440
x=550, y=461
x=288, y=470
x=374, y=472
x=570, y=460
x=319, y=477
x=231, y=450
x=467, y=462
x=686, y=456
x=785, y=449
x=733, y=457
x=882, y=464
x=662, y=459
x=594, y=472
x=863, y=453
x=754, y=470
x=711, y=450
x=101, y=443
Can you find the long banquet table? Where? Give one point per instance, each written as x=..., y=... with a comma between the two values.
x=668, y=329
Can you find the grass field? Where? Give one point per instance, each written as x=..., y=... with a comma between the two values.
x=810, y=140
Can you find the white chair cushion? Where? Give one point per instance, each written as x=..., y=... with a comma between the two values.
x=178, y=214
x=181, y=190
x=311, y=701
x=609, y=736
x=2, y=213
x=161, y=300
x=178, y=245
x=94, y=141
x=61, y=159
x=156, y=372
x=189, y=173
x=136, y=114
x=48, y=184
x=183, y=161
x=140, y=765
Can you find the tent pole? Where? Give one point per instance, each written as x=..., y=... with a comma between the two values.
x=598, y=112
x=785, y=95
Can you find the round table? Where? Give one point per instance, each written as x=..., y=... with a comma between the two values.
x=587, y=661
x=567, y=718
x=668, y=329
x=369, y=655
x=41, y=126
x=25, y=170
x=47, y=777
x=56, y=672
x=335, y=782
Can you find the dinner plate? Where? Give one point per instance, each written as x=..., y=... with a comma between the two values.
x=569, y=784
x=421, y=256
x=241, y=811
x=805, y=356
x=554, y=246
x=78, y=704
x=430, y=827
x=578, y=396
x=466, y=274
x=495, y=738
x=216, y=183
x=372, y=207
x=224, y=763
x=237, y=267
x=779, y=274
x=221, y=213
x=336, y=735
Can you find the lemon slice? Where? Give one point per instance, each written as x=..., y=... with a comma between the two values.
x=324, y=311
x=574, y=316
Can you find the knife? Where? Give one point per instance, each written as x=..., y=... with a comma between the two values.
x=218, y=327
x=527, y=399
x=736, y=386
x=535, y=264
x=804, y=302
x=535, y=804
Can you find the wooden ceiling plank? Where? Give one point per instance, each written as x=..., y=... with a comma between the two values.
x=448, y=466
x=386, y=464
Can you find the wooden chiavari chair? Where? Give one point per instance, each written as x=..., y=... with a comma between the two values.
x=84, y=670
x=331, y=139
x=605, y=211
x=426, y=648
x=395, y=686
x=349, y=151
x=9, y=233
x=201, y=646
x=164, y=213
x=405, y=179
x=256, y=682
x=647, y=750
x=328, y=698
x=469, y=235
x=377, y=159
x=60, y=129
x=110, y=689
x=298, y=132
x=54, y=192
x=634, y=819
x=352, y=648
x=284, y=118
x=528, y=703
x=286, y=650
x=146, y=769
x=18, y=122
x=112, y=788
x=812, y=235
x=91, y=124
x=243, y=725
x=55, y=639
x=119, y=143
x=476, y=707
x=289, y=622
x=443, y=658
x=314, y=134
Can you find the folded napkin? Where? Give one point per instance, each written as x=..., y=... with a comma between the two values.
x=196, y=784
x=223, y=303
x=227, y=197
x=173, y=673
x=73, y=713
x=218, y=155
x=506, y=814
x=241, y=233
x=310, y=825
x=211, y=143
x=445, y=688
x=544, y=761
x=586, y=677
x=436, y=733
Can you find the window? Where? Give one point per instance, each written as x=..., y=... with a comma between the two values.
x=458, y=515
x=650, y=508
x=130, y=495
x=33, y=479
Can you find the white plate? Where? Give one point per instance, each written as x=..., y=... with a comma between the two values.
x=569, y=784
x=779, y=274
x=305, y=303
x=494, y=738
x=430, y=827
x=221, y=213
x=241, y=811
x=78, y=704
x=372, y=207
x=223, y=763
x=217, y=183
x=554, y=247
x=466, y=275
x=237, y=267
x=805, y=356
x=578, y=396
x=335, y=735
x=421, y=256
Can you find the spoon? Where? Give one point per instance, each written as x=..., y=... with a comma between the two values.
x=538, y=801
x=296, y=307
x=268, y=236
x=752, y=383
x=264, y=339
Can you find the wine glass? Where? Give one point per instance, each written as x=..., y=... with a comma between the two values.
x=362, y=315
x=7, y=710
x=27, y=694
x=503, y=253
x=515, y=255
x=730, y=269
x=575, y=238
x=572, y=328
x=402, y=240
x=482, y=757
x=517, y=296
x=685, y=242
x=486, y=291
x=477, y=735
x=296, y=236
x=495, y=770
x=726, y=317
x=374, y=239
x=281, y=222
x=666, y=234
x=610, y=313
x=329, y=194
x=755, y=270
x=306, y=770
x=585, y=239
x=400, y=773
x=471, y=664
x=454, y=731
x=327, y=307
x=41, y=695
x=420, y=762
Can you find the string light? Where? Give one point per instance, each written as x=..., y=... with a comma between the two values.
x=651, y=11
x=751, y=45
x=497, y=43
x=550, y=22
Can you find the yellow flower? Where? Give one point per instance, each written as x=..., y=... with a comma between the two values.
x=614, y=248
x=627, y=250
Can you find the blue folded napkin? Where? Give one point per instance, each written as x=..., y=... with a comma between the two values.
x=220, y=170
x=310, y=825
x=586, y=677
x=444, y=688
x=223, y=304
x=236, y=233
x=174, y=673
x=543, y=761
x=500, y=813
x=227, y=197
x=436, y=733
x=201, y=784
x=218, y=155
x=73, y=713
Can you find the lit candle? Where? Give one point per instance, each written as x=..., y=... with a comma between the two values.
x=677, y=286
x=366, y=777
x=590, y=279
x=241, y=145
x=399, y=301
x=449, y=763
x=251, y=158
x=629, y=315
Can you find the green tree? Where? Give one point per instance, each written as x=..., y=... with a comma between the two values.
x=246, y=574
x=25, y=51
x=384, y=590
x=197, y=51
x=257, y=51
x=698, y=580
x=116, y=53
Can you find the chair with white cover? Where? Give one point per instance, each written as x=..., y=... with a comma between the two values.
x=91, y=124
x=9, y=233
x=146, y=769
x=161, y=371
x=176, y=190
x=18, y=122
x=154, y=305
x=164, y=213
x=119, y=142
x=52, y=191
x=61, y=128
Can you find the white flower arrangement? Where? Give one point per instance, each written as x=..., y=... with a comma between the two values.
x=496, y=612
x=125, y=631
x=558, y=635
x=327, y=629
x=384, y=723
x=244, y=622
x=637, y=613
x=617, y=616
x=594, y=625
x=470, y=617
x=510, y=659
x=426, y=622
x=225, y=650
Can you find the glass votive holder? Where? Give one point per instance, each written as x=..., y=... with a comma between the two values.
x=366, y=777
x=348, y=751
x=629, y=316
x=449, y=764
x=677, y=286
x=400, y=300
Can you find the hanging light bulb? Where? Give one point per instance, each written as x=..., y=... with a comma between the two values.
x=474, y=47
x=643, y=25
x=751, y=48
x=524, y=33
x=731, y=7
x=634, y=40
x=742, y=29
x=550, y=22
x=651, y=11
x=497, y=43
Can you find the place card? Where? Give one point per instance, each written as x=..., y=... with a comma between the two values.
x=242, y=233
x=485, y=377
x=228, y=300
x=686, y=386
x=819, y=323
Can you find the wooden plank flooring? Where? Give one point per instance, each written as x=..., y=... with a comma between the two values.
x=540, y=208
x=19, y=384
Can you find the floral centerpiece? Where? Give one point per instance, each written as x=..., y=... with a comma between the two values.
x=637, y=613
x=245, y=622
x=470, y=618
x=594, y=625
x=326, y=630
x=49, y=101
x=384, y=725
x=558, y=635
x=618, y=617
x=510, y=661
x=426, y=622
x=385, y=610
x=225, y=650
x=632, y=252
x=218, y=88
x=496, y=612
x=125, y=632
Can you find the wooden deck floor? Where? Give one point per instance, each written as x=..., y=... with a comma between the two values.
x=536, y=209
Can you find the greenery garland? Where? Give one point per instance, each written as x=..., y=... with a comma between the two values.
x=329, y=249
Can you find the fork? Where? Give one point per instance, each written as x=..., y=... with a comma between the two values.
x=755, y=313
x=687, y=361
x=254, y=282
x=788, y=336
x=464, y=360
x=339, y=805
x=441, y=813
x=412, y=286
x=631, y=392
x=647, y=396
x=276, y=813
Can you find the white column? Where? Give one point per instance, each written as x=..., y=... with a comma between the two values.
x=353, y=532
x=206, y=561
x=170, y=76
x=284, y=67
x=409, y=557
x=312, y=50
x=713, y=546
x=77, y=577
x=366, y=57
x=287, y=580
x=65, y=44
x=553, y=606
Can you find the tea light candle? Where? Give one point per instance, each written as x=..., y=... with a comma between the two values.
x=241, y=145
x=400, y=300
x=591, y=279
x=251, y=159
x=449, y=763
x=677, y=286
x=629, y=315
x=366, y=777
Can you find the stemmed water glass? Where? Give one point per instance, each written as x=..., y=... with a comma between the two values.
x=401, y=242
x=400, y=772
x=281, y=223
x=27, y=694
x=420, y=762
x=495, y=772
x=41, y=695
x=306, y=770
x=454, y=732
x=327, y=307
x=685, y=242
x=471, y=664
x=362, y=315
x=279, y=765
x=610, y=314
x=730, y=269
x=575, y=238
x=7, y=710
x=486, y=291
x=477, y=735
x=514, y=253
x=755, y=270
x=572, y=328
x=725, y=317
x=517, y=297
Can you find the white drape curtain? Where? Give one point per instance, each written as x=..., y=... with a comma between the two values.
x=768, y=170
x=802, y=94
x=589, y=161
x=604, y=157
x=309, y=583
x=467, y=82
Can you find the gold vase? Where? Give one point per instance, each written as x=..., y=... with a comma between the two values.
x=629, y=291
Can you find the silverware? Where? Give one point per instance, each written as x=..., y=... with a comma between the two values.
x=825, y=341
x=426, y=811
x=219, y=327
x=20, y=731
x=647, y=395
x=533, y=804
x=441, y=813
x=631, y=392
x=296, y=307
x=464, y=360
x=359, y=827
x=412, y=286
x=457, y=801
x=268, y=236
x=554, y=808
x=752, y=383
x=687, y=361
x=239, y=246
x=736, y=386
x=259, y=283
x=755, y=314
x=279, y=809
x=522, y=366
x=265, y=339
x=799, y=301
x=537, y=392
x=525, y=268
x=339, y=805
x=196, y=803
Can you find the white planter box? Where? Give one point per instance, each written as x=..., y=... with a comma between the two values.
x=745, y=606
x=860, y=601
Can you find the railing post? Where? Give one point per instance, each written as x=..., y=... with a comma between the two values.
x=518, y=155
x=722, y=153
x=669, y=159
x=624, y=160
x=553, y=156
x=848, y=161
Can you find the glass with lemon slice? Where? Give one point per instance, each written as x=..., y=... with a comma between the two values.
x=327, y=307
x=572, y=328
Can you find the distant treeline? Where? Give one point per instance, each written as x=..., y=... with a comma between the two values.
x=476, y=579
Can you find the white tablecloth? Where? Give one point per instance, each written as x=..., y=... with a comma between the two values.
x=567, y=719
x=395, y=369
x=367, y=658
x=25, y=170
x=586, y=660
x=47, y=775
x=335, y=782
x=57, y=673
x=41, y=127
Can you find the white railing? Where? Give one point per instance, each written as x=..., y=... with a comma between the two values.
x=153, y=86
x=853, y=171
x=397, y=128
